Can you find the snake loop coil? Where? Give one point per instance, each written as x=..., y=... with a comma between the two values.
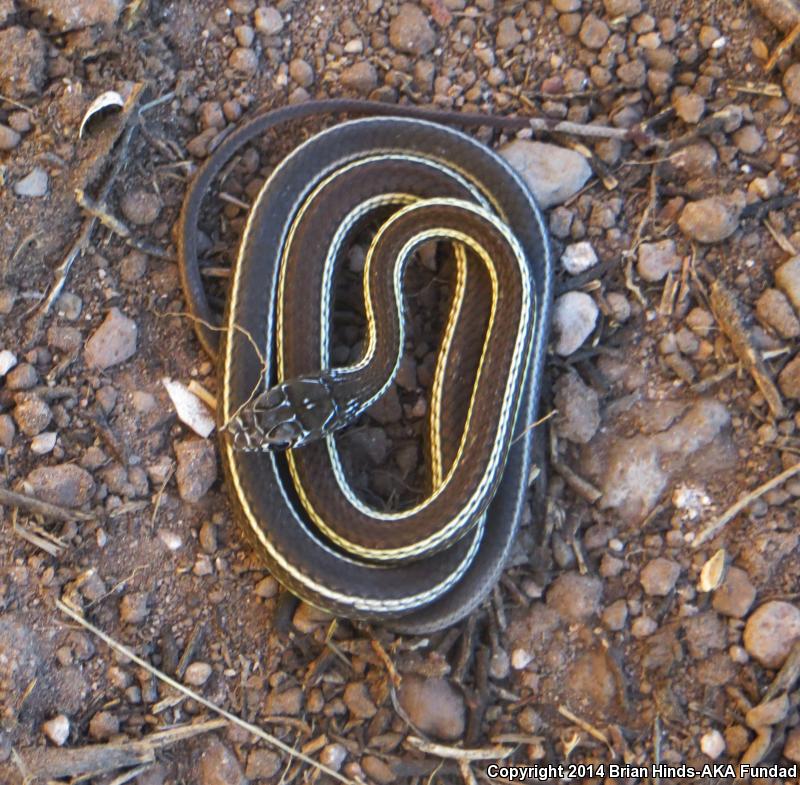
x=411, y=172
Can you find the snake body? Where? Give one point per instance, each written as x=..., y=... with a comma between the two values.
x=416, y=177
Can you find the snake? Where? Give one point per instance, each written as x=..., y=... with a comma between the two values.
x=408, y=176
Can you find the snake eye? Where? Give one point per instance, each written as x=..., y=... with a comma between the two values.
x=285, y=434
x=271, y=399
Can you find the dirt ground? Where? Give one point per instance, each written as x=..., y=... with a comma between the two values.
x=622, y=633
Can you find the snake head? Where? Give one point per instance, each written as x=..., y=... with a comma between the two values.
x=290, y=414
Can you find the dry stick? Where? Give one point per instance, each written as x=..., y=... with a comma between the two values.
x=32, y=504
x=456, y=753
x=787, y=675
x=49, y=762
x=724, y=519
x=583, y=725
x=782, y=47
x=726, y=312
x=254, y=729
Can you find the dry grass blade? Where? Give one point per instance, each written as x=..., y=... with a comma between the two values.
x=254, y=729
x=583, y=725
x=457, y=753
x=34, y=505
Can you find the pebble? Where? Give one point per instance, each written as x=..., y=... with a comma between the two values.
x=219, y=765
x=574, y=318
x=196, y=468
x=333, y=755
x=787, y=277
x=307, y=618
x=268, y=20
x=578, y=409
x=771, y=631
x=773, y=308
x=358, y=701
x=594, y=32
x=377, y=770
x=140, y=206
x=23, y=377
x=23, y=73
x=9, y=138
x=508, y=36
x=301, y=72
x=267, y=588
x=659, y=576
x=574, y=596
x=361, y=77
x=243, y=60
x=113, y=342
x=748, y=139
x=713, y=219
x=770, y=713
x=657, y=259
x=410, y=32
x=7, y=431
x=736, y=594
x=434, y=706
x=791, y=83
x=65, y=484
x=197, y=674
x=43, y=443
x=620, y=307
x=705, y=633
x=103, y=726
x=262, y=764
x=643, y=627
x=552, y=173
x=616, y=615
x=712, y=744
x=69, y=306
x=791, y=750
x=690, y=107
x=287, y=703
x=208, y=537
x=789, y=378
x=34, y=184
x=57, y=729
x=133, y=608
x=133, y=266
x=578, y=257
x=7, y=361
x=622, y=7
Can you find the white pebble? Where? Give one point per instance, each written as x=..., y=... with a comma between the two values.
x=172, y=540
x=520, y=659
x=7, y=361
x=43, y=443
x=574, y=317
x=578, y=257
x=57, y=729
x=197, y=674
x=712, y=744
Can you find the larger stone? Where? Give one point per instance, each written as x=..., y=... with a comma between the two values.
x=578, y=409
x=410, y=32
x=553, y=173
x=574, y=317
x=787, y=276
x=23, y=62
x=659, y=576
x=789, y=379
x=771, y=632
x=575, y=597
x=197, y=468
x=113, y=342
x=736, y=594
x=657, y=259
x=65, y=484
x=713, y=219
x=219, y=765
x=434, y=706
x=791, y=83
x=64, y=15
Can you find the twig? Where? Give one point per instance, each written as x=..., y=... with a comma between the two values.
x=782, y=47
x=457, y=753
x=787, y=676
x=583, y=725
x=724, y=519
x=384, y=657
x=579, y=129
x=35, y=539
x=726, y=312
x=34, y=505
x=254, y=729
x=14, y=103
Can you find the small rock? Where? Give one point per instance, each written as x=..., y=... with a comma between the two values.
x=620, y=307
x=643, y=627
x=22, y=69
x=268, y=20
x=657, y=259
x=574, y=318
x=552, y=173
x=34, y=184
x=361, y=77
x=705, y=633
x=103, y=726
x=197, y=674
x=377, y=770
x=288, y=703
x=791, y=750
x=262, y=764
x=113, y=342
x=410, y=32
x=76, y=14
x=9, y=138
x=712, y=744
x=208, y=537
x=7, y=431
x=578, y=257
x=23, y=377
x=358, y=701
x=748, y=139
x=267, y=588
x=737, y=740
x=690, y=107
x=219, y=765
x=43, y=443
x=333, y=756
x=771, y=631
x=508, y=36
x=622, y=7
x=770, y=713
x=69, y=305
x=575, y=597
x=578, y=409
x=57, y=729
x=133, y=608
x=434, y=706
x=140, y=206
x=301, y=72
x=658, y=578
x=197, y=468
x=791, y=83
x=787, y=276
x=736, y=594
x=615, y=615
x=243, y=60
x=773, y=308
x=789, y=378
x=594, y=32
x=133, y=266
x=66, y=484
x=713, y=219
x=307, y=618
